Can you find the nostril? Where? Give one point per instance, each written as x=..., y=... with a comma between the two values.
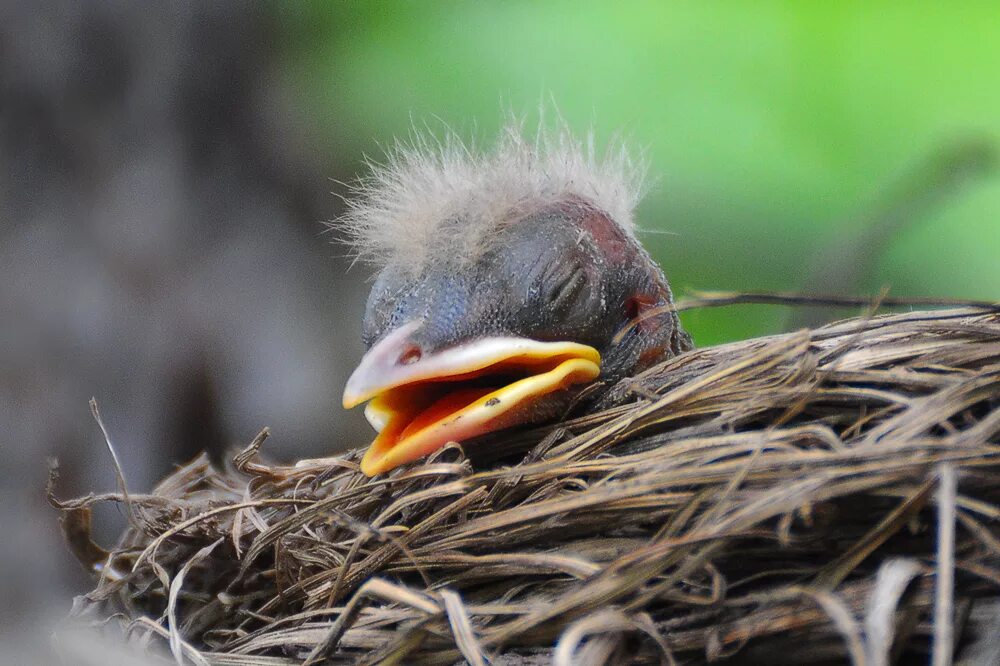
x=409, y=355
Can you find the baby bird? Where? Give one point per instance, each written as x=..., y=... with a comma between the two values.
x=508, y=280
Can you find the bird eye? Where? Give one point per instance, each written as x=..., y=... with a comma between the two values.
x=566, y=287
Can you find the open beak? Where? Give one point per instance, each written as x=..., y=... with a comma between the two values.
x=419, y=404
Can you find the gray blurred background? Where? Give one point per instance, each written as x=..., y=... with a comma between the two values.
x=166, y=172
x=162, y=251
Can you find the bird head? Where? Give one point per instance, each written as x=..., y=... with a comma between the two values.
x=508, y=281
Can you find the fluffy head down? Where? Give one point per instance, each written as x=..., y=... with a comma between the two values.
x=442, y=200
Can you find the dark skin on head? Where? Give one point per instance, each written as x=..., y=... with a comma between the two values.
x=509, y=337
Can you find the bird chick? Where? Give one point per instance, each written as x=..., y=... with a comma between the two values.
x=508, y=280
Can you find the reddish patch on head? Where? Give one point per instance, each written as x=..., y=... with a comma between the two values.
x=608, y=236
x=639, y=308
x=616, y=246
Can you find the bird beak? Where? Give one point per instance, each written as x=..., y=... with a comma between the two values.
x=420, y=403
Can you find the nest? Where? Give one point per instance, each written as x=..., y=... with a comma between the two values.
x=821, y=496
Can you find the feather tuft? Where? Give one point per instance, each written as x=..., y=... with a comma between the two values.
x=441, y=200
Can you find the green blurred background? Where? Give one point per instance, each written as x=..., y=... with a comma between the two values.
x=772, y=128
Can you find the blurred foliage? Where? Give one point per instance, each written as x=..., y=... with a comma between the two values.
x=772, y=127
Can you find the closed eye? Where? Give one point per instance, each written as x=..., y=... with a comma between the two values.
x=565, y=291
